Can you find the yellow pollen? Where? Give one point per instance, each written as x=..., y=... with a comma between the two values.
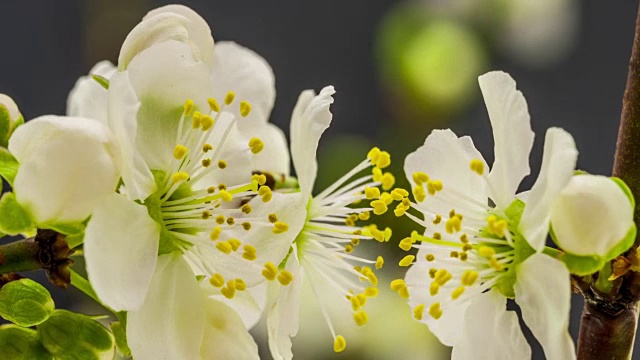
x=437, y=236
x=407, y=260
x=453, y=225
x=376, y=234
x=197, y=120
x=419, y=194
x=272, y=218
x=430, y=257
x=348, y=248
x=246, y=225
x=388, y=180
x=386, y=197
x=384, y=160
x=373, y=155
x=434, y=288
x=418, y=311
x=206, y=148
x=404, y=292
x=261, y=179
x=397, y=284
x=469, y=277
x=432, y=272
x=371, y=292
x=379, y=262
x=222, y=164
x=235, y=244
x=454, y=254
x=339, y=344
x=486, y=251
x=355, y=303
x=355, y=241
x=179, y=152
x=285, y=277
x=387, y=234
x=433, y=186
x=245, y=108
x=207, y=122
x=361, y=317
x=256, y=145
x=398, y=194
x=373, y=279
x=224, y=247
x=437, y=219
x=228, y=292
x=463, y=256
x=477, y=166
x=280, y=227
x=216, y=280
x=495, y=264
x=442, y=277
x=188, y=107
x=364, y=216
x=377, y=174
x=226, y=196
x=464, y=239
x=206, y=162
x=246, y=208
x=406, y=202
x=220, y=219
x=265, y=193
x=179, y=176
x=371, y=192
x=228, y=99
x=213, y=105
x=241, y=285
x=455, y=294
x=270, y=271
x=435, y=311
x=420, y=178
x=379, y=207
x=400, y=210
x=231, y=221
x=467, y=247
x=215, y=233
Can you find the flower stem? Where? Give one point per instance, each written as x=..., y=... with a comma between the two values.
x=610, y=314
x=22, y=255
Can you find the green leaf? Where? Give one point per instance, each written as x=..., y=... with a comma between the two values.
x=72, y=336
x=25, y=302
x=17, y=343
x=5, y=125
x=8, y=165
x=119, y=333
x=104, y=82
x=14, y=219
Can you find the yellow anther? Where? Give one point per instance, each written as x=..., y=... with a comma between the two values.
x=420, y=178
x=373, y=155
x=196, y=122
x=261, y=179
x=188, y=107
x=246, y=225
x=419, y=194
x=229, y=293
x=355, y=303
x=407, y=260
x=265, y=193
x=224, y=247
x=397, y=284
x=495, y=264
x=433, y=186
x=384, y=160
x=249, y=256
x=400, y=210
x=207, y=122
x=213, y=105
x=231, y=220
x=418, y=311
x=376, y=234
x=442, y=276
x=435, y=311
x=486, y=251
x=437, y=236
x=455, y=294
x=406, y=244
x=280, y=227
x=454, y=254
x=222, y=164
x=406, y=202
x=377, y=174
x=241, y=285
x=220, y=219
x=434, y=288
x=207, y=148
x=180, y=151
x=361, y=317
x=216, y=280
x=379, y=207
x=386, y=197
x=246, y=208
x=398, y=194
x=364, y=216
x=453, y=225
x=464, y=239
x=179, y=176
x=371, y=292
x=477, y=166
x=215, y=233
x=339, y=344
x=256, y=145
x=228, y=99
x=404, y=292
x=285, y=277
x=469, y=277
x=371, y=193
x=245, y=108
x=499, y=227
x=270, y=271
x=430, y=257
x=388, y=180
x=373, y=279
x=432, y=272
x=235, y=244
x=226, y=196
x=467, y=247
x=463, y=256
x=387, y=234
x=206, y=162
x=231, y=284
x=272, y=218
x=355, y=241
x=362, y=298
x=379, y=262
x=348, y=248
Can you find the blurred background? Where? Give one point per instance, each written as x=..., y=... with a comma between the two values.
x=400, y=68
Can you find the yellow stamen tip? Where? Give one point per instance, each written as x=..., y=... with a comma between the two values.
x=222, y=164
x=215, y=233
x=229, y=293
x=188, y=107
x=228, y=99
x=216, y=280
x=179, y=152
x=477, y=166
x=406, y=244
x=226, y=196
x=179, y=176
x=418, y=311
x=486, y=251
x=207, y=122
x=373, y=155
x=371, y=291
x=270, y=271
x=285, y=277
x=419, y=194
x=339, y=344
x=388, y=180
x=435, y=311
x=235, y=244
x=420, y=178
x=224, y=247
x=280, y=227
x=407, y=260
x=361, y=317
x=379, y=262
x=457, y=292
x=246, y=208
x=371, y=193
x=213, y=105
x=245, y=108
x=241, y=285
x=256, y=145
x=379, y=207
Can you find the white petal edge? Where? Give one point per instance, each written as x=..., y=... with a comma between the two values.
x=512, y=135
x=88, y=98
x=311, y=117
x=225, y=336
x=558, y=163
x=171, y=322
x=121, y=249
x=491, y=332
x=543, y=292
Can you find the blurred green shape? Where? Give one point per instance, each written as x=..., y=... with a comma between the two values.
x=17, y=343
x=25, y=303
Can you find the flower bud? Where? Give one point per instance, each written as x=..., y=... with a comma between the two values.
x=10, y=118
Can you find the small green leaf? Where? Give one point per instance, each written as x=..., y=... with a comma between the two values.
x=14, y=219
x=8, y=165
x=581, y=265
x=104, y=82
x=25, y=302
x=5, y=125
x=17, y=343
x=72, y=336
x=120, y=334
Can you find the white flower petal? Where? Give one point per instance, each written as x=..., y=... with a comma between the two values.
x=248, y=304
x=123, y=108
x=67, y=165
x=491, y=332
x=558, y=163
x=603, y=226
x=543, y=291
x=88, y=98
x=512, y=135
x=121, y=248
x=283, y=313
x=225, y=336
x=239, y=69
x=311, y=117
x=170, y=324
x=447, y=158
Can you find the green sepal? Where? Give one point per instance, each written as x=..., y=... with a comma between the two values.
x=8, y=165
x=67, y=228
x=72, y=336
x=625, y=244
x=25, y=302
x=120, y=334
x=626, y=190
x=5, y=126
x=581, y=265
x=18, y=343
x=104, y=82
x=14, y=219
